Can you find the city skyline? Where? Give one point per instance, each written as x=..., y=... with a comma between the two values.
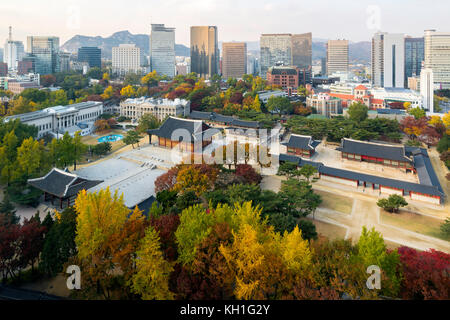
x=67, y=20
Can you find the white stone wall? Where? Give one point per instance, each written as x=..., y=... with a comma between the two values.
x=339, y=180
x=390, y=191
x=421, y=197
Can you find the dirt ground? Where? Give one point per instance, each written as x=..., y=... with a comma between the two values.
x=56, y=286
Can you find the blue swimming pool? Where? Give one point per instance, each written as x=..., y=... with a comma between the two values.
x=110, y=138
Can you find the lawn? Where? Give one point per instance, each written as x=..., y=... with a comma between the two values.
x=328, y=230
x=335, y=202
x=92, y=141
x=415, y=222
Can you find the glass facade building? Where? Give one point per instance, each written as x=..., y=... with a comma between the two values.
x=45, y=50
x=204, y=51
x=91, y=55
x=437, y=57
x=414, y=56
x=276, y=49
x=162, y=50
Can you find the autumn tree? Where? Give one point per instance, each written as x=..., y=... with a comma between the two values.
x=151, y=281
x=167, y=180
x=100, y=215
x=372, y=251
x=425, y=274
x=248, y=173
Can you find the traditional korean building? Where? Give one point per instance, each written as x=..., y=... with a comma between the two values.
x=62, y=186
x=184, y=133
x=380, y=153
x=303, y=146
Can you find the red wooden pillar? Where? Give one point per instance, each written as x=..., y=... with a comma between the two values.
x=60, y=203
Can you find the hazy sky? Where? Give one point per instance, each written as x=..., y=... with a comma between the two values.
x=236, y=19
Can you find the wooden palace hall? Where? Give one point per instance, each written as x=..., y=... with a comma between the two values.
x=183, y=133
x=62, y=186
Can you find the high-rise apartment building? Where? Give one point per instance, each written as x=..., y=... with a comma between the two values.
x=162, y=50
x=388, y=60
x=234, y=59
x=204, y=51
x=126, y=58
x=437, y=57
x=13, y=52
x=337, y=56
x=414, y=57
x=91, y=55
x=45, y=50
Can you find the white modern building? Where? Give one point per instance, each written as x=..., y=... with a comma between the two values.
x=388, y=60
x=160, y=108
x=162, y=50
x=13, y=52
x=60, y=119
x=427, y=89
x=126, y=58
x=437, y=57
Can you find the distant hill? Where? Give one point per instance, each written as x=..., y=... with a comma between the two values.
x=359, y=51
x=121, y=37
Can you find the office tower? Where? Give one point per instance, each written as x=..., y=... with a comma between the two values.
x=91, y=55
x=1, y=54
x=126, y=58
x=437, y=56
x=3, y=69
x=388, y=60
x=276, y=49
x=337, y=56
x=323, y=67
x=63, y=62
x=162, y=50
x=234, y=59
x=45, y=50
x=204, y=51
x=414, y=57
x=302, y=50
x=427, y=89
x=13, y=52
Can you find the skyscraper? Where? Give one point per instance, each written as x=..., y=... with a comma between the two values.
x=427, y=89
x=437, y=56
x=126, y=58
x=91, y=55
x=288, y=50
x=234, y=59
x=414, y=57
x=162, y=50
x=337, y=56
x=45, y=50
x=13, y=52
x=388, y=60
x=302, y=50
x=276, y=49
x=204, y=51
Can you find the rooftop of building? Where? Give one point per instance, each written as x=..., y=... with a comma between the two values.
x=62, y=183
x=53, y=110
x=374, y=149
x=196, y=129
x=301, y=142
x=153, y=101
